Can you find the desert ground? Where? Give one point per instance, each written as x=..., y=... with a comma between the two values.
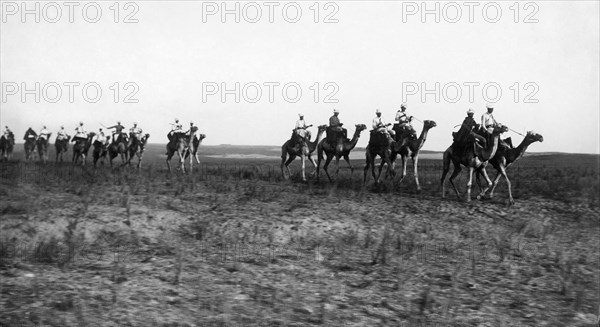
x=235, y=244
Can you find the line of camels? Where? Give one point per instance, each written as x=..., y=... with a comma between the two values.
x=127, y=146
x=475, y=157
x=119, y=147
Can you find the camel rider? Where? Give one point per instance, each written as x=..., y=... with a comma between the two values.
x=301, y=126
x=404, y=120
x=61, y=134
x=336, y=126
x=189, y=131
x=7, y=132
x=487, y=119
x=176, y=128
x=379, y=126
x=467, y=128
x=29, y=134
x=100, y=138
x=488, y=122
x=44, y=133
x=118, y=130
x=80, y=133
x=135, y=133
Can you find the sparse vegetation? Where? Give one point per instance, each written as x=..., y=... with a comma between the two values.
x=235, y=243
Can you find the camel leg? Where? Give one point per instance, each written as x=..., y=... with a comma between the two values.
x=319, y=159
x=139, y=165
x=303, y=159
x=181, y=161
x=347, y=159
x=169, y=155
x=310, y=158
x=489, y=183
x=403, y=162
x=469, y=183
x=337, y=166
x=416, y=171
x=381, y=164
x=455, y=173
x=495, y=183
x=286, y=165
x=191, y=162
x=509, y=186
x=391, y=171
x=283, y=158
x=445, y=169
x=367, y=166
x=477, y=179
x=508, y=183
x=196, y=156
x=327, y=161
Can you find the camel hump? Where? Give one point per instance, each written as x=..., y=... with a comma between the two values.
x=378, y=139
x=334, y=135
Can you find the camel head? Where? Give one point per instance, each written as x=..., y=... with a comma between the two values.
x=534, y=137
x=201, y=137
x=145, y=138
x=360, y=127
x=428, y=124
x=322, y=128
x=193, y=129
x=499, y=130
x=91, y=135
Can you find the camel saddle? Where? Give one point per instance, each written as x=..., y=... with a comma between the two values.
x=378, y=139
x=334, y=134
x=402, y=132
x=295, y=139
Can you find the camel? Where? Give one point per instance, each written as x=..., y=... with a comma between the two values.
x=181, y=144
x=473, y=157
x=406, y=146
x=118, y=147
x=341, y=149
x=81, y=148
x=197, y=140
x=61, y=147
x=302, y=149
x=7, y=144
x=504, y=157
x=29, y=147
x=100, y=151
x=42, y=147
x=379, y=145
x=137, y=149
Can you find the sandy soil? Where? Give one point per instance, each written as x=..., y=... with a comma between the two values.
x=128, y=249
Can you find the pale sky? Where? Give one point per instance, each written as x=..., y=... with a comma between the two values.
x=170, y=53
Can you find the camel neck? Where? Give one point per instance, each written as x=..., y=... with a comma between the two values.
x=318, y=138
x=519, y=151
x=422, y=138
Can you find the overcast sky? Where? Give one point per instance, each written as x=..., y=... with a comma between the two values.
x=177, y=52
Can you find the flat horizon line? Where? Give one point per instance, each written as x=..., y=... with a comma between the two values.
x=422, y=150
